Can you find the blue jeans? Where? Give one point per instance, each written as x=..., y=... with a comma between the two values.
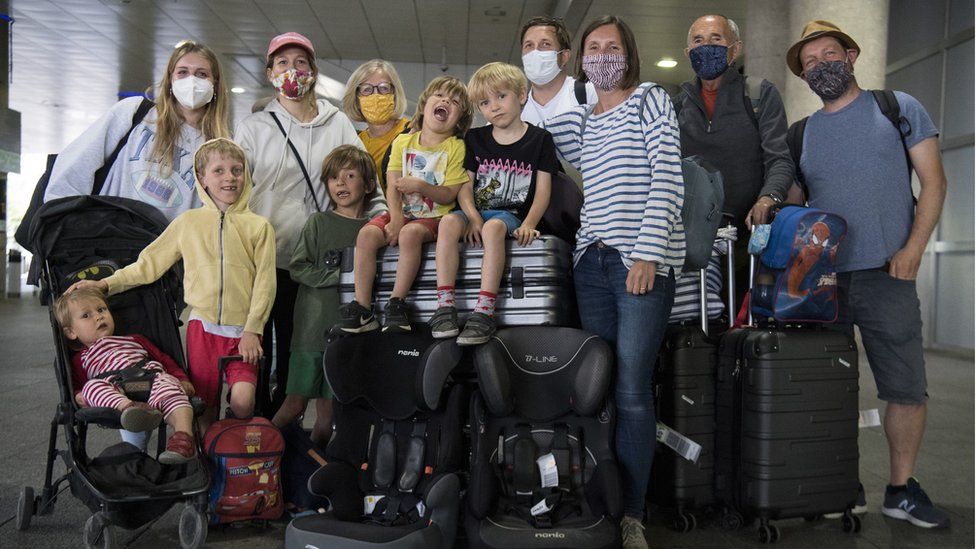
x=510, y=220
x=634, y=327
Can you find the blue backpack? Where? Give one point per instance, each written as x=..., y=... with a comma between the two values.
x=797, y=279
x=701, y=210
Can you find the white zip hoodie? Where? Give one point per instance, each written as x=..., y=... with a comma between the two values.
x=280, y=192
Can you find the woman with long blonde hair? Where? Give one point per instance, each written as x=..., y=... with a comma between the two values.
x=155, y=165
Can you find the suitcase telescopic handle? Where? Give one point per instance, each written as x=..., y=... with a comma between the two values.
x=730, y=271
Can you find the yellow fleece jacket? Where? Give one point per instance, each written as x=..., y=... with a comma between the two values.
x=228, y=262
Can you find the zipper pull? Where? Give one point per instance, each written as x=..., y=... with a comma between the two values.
x=738, y=368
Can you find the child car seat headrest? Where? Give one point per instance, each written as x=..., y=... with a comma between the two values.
x=543, y=372
x=396, y=374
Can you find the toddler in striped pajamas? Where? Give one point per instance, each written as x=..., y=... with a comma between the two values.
x=105, y=358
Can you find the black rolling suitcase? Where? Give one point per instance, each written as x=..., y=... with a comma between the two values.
x=786, y=426
x=684, y=386
x=536, y=287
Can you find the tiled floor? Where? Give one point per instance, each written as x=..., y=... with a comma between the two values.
x=28, y=394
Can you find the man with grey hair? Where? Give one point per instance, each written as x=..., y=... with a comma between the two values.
x=738, y=127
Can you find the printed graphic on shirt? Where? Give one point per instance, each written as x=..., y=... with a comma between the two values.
x=163, y=192
x=430, y=166
x=501, y=184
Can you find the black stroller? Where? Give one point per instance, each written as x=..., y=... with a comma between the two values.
x=90, y=237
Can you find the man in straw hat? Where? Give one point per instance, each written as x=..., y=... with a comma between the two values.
x=857, y=163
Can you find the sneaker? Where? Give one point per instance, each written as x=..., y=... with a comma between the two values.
x=395, y=316
x=860, y=505
x=357, y=319
x=477, y=330
x=180, y=448
x=632, y=533
x=444, y=323
x=140, y=417
x=913, y=504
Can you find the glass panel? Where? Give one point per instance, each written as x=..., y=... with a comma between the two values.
x=921, y=80
x=960, y=15
x=957, y=213
x=954, y=302
x=912, y=28
x=959, y=90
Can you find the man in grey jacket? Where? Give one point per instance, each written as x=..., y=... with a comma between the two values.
x=737, y=126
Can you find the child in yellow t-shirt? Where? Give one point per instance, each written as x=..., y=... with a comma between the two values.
x=425, y=173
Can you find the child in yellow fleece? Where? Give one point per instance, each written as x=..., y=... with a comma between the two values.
x=228, y=255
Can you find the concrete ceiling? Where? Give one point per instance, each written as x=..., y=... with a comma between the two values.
x=71, y=58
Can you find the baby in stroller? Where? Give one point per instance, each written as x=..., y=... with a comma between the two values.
x=126, y=373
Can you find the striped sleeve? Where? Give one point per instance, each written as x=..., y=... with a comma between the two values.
x=565, y=129
x=664, y=200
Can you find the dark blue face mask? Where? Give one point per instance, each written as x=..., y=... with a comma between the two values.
x=709, y=61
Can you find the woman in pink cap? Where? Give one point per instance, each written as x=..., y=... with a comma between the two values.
x=286, y=144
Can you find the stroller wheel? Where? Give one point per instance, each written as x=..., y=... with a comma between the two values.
x=25, y=508
x=193, y=528
x=98, y=533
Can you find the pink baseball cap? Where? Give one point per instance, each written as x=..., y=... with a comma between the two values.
x=290, y=39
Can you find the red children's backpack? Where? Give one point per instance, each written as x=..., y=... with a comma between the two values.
x=245, y=467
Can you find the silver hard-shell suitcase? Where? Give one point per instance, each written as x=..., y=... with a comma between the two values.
x=536, y=287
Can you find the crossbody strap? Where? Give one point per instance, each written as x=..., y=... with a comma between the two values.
x=308, y=180
x=101, y=174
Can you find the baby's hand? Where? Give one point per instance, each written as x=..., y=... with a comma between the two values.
x=98, y=284
x=188, y=388
x=250, y=348
x=79, y=400
x=525, y=234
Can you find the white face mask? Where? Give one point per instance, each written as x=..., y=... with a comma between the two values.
x=541, y=67
x=193, y=92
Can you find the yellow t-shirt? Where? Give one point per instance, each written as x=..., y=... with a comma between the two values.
x=440, y=165
x=377, y=146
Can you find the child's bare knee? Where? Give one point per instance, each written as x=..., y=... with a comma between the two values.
x=370, y=236
x=494, y=228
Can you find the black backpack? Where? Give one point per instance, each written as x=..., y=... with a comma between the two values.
x=37, y=199
x=888, y=104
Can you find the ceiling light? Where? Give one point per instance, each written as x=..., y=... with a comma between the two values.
x=237, y=90
x=667, y=63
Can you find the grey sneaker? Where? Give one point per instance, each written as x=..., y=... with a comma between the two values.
x=444, y=323
x=140, y=417
x=913, y=504
x=477, y=330
x=356, y=319
x=396, y=318
x=632, y=533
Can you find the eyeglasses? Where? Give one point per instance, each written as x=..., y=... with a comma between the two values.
x=383, y=88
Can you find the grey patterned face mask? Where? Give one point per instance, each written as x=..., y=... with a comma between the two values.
x=830, y=79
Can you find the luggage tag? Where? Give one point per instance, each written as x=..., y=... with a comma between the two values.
x=868, y=418
x=759, y=238
x=548, y=470
x=682, y=445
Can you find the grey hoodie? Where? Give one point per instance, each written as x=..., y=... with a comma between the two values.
x=280, y=191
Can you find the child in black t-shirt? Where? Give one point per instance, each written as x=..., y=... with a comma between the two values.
x=510, y=165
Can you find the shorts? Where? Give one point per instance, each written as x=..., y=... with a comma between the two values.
x=887, y=312
x=510, y=220
x=306, y=376
x=383, y=220
x=203, y=350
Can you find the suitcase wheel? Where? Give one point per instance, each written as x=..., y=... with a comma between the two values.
x=684, y=522
x=851, y=523
x=768, y=533
x=731, y=520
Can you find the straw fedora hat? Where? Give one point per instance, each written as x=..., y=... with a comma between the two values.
x=811, y=31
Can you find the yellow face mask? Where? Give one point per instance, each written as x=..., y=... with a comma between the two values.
x=377, y=108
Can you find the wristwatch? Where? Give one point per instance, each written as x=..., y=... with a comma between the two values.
x=774, y=198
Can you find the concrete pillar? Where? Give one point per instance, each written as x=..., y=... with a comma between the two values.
x=772, y=26
x=4, y=96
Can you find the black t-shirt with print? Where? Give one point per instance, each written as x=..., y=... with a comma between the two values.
x=505, y=174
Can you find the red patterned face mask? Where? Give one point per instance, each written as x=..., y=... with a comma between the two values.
x=293, y=83
x=605, y=70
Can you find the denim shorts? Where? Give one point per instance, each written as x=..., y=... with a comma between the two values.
x=510, y=220
x=887, y=312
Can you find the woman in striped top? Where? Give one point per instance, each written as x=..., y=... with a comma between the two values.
x=630, y=244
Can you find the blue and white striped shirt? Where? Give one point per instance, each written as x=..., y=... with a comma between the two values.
x=632, y=183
